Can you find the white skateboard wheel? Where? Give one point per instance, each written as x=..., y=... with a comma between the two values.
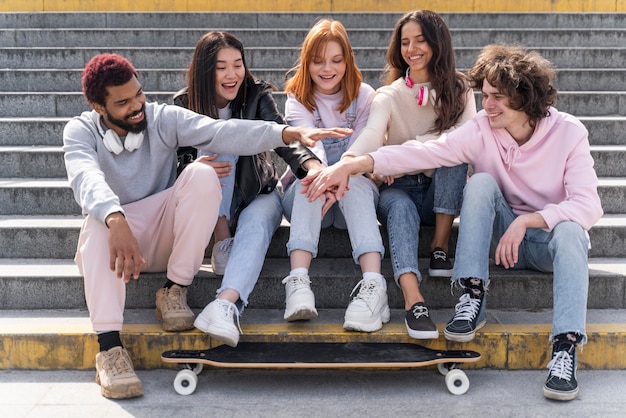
x=185, y=382
x=457, y=382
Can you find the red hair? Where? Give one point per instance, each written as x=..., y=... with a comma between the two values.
x=102, y=71
x=301, y=85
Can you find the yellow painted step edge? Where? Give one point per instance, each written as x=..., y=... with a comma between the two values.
x=321, y=6
x=502, y=346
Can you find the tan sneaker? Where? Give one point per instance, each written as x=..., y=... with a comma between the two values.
x=172, y=309
x=115, y=374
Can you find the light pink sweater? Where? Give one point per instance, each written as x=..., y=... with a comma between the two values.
x=551, y=174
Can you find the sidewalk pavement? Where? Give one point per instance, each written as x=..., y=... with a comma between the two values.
x=311, y=393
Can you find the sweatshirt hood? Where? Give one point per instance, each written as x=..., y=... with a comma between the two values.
x=509, y=149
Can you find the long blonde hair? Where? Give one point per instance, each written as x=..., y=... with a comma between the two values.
x=314, y=45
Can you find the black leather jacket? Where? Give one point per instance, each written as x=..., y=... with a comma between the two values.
x=257, y=174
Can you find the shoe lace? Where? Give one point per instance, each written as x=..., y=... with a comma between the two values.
x=440, y=255
x=467, y=308
x=297, y=282
x=367, y=290
x=227, y=310
x=225, y=245
x=419, y=311
x=120, y=364
x=174, y=300
x=561, y=365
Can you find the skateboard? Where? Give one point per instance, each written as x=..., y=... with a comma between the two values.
x=285, y=355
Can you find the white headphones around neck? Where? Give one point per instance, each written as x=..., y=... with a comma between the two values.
x=113, y=143
x=423, y=94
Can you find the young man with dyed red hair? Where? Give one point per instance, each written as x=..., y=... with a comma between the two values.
x=139, y=217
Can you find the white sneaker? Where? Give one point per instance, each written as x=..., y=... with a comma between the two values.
x=299, y=299
x=216, y=319
x=369, y=309
x=220, y=254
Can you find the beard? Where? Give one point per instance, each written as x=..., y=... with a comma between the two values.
x=129, y=127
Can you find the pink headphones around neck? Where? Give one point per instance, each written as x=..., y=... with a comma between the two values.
x=423, y=93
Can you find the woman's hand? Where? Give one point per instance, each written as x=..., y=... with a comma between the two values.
x=308, y=136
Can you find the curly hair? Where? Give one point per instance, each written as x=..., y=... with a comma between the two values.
x=524, y=76
x=102, y=71
x=201, y=73
x=314, y=45
x=451, y=85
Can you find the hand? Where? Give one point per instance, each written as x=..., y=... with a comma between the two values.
x=124, y=255
x=332, y=179
x=508, y=246
x=379, y=179
x=330, y=201
x=222, y=168
x=308, y=136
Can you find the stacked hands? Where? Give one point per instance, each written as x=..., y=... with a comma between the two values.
x=331, y=183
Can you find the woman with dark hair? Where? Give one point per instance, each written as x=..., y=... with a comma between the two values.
x=220, y=85
x=424, y=97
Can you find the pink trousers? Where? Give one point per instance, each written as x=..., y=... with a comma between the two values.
x=172, y=228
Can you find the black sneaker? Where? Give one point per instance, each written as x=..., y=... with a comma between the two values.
x=418, y=323
x=561, y=384
x=440, y=264
x=469, y=313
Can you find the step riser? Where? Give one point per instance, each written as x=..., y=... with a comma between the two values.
x=510, y=348
x=302, y=20
x=168, y=80
x=602, y=131
x=54, y=242
x=50, y=164
x=71, y=104
x=283, y=57
x=293, y=37
x=526, y=291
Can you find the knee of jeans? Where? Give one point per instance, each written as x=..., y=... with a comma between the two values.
x=480, y=184
x=481, y=180
x=569, y=233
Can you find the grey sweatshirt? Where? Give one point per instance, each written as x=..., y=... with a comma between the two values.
x=102, y=181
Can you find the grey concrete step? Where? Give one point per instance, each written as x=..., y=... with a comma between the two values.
x=56, y=284
x=42, y=80
x=568, y=56
x=48, y=236
x=69, y=104
x=52, y=196
x=21, y=131
x=30, y=161
x=183, y=37
x=221, y=20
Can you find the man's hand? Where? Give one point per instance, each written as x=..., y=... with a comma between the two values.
x=507, y=251
x=308, y=136
x=124, y=255
x=222, y=168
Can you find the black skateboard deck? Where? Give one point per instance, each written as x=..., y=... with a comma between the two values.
x=351, y=355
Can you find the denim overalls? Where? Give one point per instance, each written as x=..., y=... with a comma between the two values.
x=356, y=211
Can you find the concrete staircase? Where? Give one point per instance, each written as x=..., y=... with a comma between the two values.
x=43, y=318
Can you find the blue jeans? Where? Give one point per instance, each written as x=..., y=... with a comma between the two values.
x=228, y=183
x=485, y=217
x=255, y=227
x=356, y=212
x=413, y=200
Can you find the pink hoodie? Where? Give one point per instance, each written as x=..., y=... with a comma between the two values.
x=551, y=174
